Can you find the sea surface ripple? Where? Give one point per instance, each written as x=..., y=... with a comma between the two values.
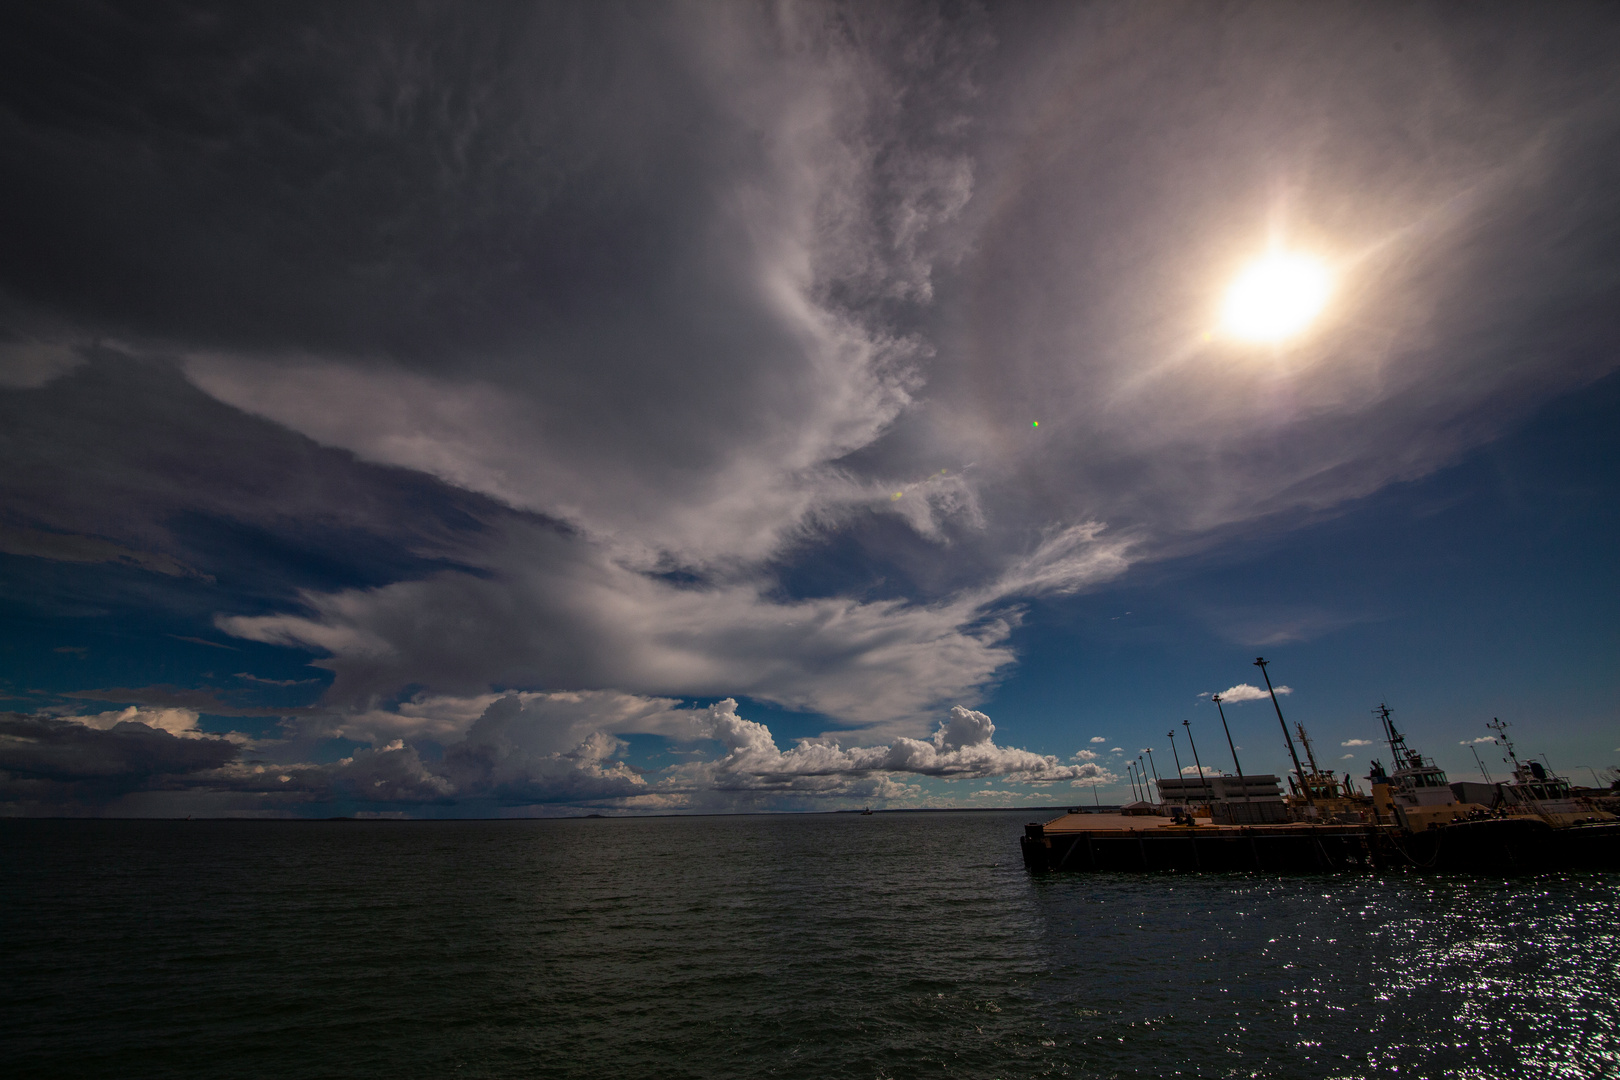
x=887, y=946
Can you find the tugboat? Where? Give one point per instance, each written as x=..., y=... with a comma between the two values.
x=1437, y=831
x=1417, y=795
x=1536, y=790
x=1582, y=836
x=1331, y=799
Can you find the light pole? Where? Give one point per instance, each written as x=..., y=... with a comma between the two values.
x=1174, y=754
x=1216, y=698
x=1260, y=662
x=1199, y=765
x=1155, y=768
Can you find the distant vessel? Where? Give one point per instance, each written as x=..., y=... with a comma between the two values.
x=867, y=812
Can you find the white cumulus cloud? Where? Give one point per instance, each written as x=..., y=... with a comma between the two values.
x=564, y=748
x=181, y=722
x=1093, y=775
x=1246, y=692
x=963, y=747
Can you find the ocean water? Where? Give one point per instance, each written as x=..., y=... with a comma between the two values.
x=895, y=945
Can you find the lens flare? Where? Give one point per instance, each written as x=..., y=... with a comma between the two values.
x=1276, y=297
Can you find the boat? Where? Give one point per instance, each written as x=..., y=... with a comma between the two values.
x=1536, y=790
x=1532, y=825
x=1416, y=795
x=1331, y=799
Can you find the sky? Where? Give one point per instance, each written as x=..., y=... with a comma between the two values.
x=515, y=410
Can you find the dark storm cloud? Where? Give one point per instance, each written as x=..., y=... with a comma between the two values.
x=128, y=450
x=694, y=231
x=592, y=221
x=275, y=175
x=120, y=756
x=86, y=549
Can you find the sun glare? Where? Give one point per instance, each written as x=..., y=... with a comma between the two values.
x=1276, y=297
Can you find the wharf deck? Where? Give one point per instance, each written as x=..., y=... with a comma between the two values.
x=1125, y=842
x=1093, y=822
x=1150, y=842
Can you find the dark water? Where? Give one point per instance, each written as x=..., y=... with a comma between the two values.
x=897, y=945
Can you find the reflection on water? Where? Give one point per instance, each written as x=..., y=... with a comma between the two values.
x=895, y=945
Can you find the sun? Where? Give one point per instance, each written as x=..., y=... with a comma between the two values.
x=1276, y=297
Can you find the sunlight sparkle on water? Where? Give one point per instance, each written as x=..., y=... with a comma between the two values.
x=1276, y=297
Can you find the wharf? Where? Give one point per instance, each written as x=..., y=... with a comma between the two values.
x=1148, y=842
x=1090, y=841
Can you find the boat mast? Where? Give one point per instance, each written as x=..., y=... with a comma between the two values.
x=1397, y=741
x=1500, y=728
x=1305, y=740
x=1260, y=662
